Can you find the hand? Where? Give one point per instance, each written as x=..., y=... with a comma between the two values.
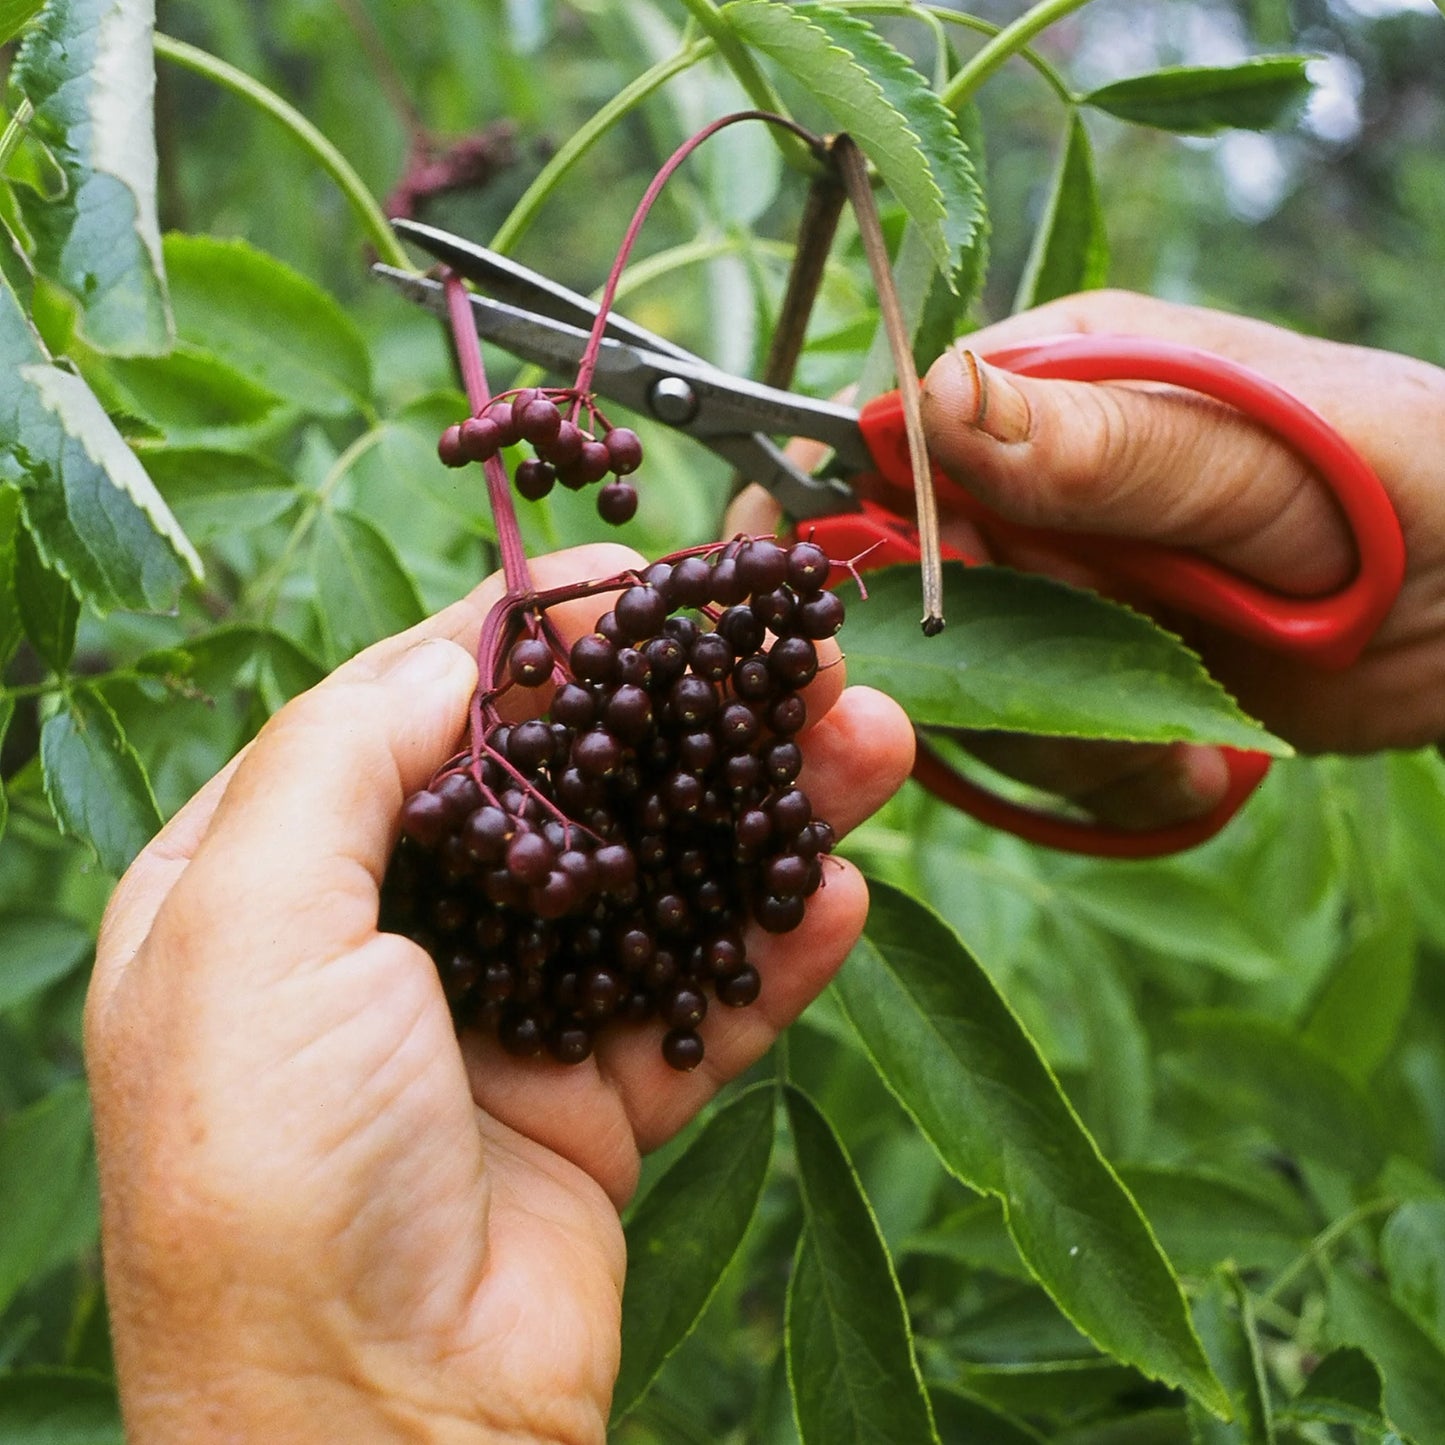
x=1169, y=466
x=323, y=1219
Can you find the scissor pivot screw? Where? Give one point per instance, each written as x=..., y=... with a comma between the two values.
x=674, y=401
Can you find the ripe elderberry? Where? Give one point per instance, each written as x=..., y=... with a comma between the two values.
x=563, y=450
x=593, y=869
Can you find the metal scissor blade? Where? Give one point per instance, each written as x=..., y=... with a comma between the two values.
x=729, y=415
x=517, y=285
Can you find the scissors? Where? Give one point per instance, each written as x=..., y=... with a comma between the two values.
x=542, y=322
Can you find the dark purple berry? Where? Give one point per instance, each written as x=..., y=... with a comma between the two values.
x=624, y=450
x=762, y=565
x=534, y=478
x=683, y=1049
x=820, y=616
x=449, y=448
x=617, y=503
x=530, y=662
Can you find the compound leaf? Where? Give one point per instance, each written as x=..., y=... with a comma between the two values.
x=956, y=1057
x=851, y=1364
x=235, y=301
x=363, y=591
x=882, y=101
x=87, y=67
x=1253, y=1070
x=48, y=606
x=1206, y=99
x=685, y=1233
x=1070, y=250
x=97, y=788
x=1411, y=1360
x=1033, y=655
x=95, y=515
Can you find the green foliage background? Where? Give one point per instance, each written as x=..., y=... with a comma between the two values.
x=1252, y=1035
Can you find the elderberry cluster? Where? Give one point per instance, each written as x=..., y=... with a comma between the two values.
x=598, y=864
x=563, y=451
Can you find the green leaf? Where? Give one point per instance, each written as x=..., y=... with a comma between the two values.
x=48, y=607
x=964, y=1419
x=1070, y=249
x=88, y=69
x=959, y=1061
x=216, y=493
x=234, y=301
x=1359, y=1012
x=684, y=1234
x=35, y=950
x=191, y=396
x=12, y=626
x=1412, y=1248
x=48, y=1141
x=363, y=591
x=1028, y=654
x=851, y=1365
x=7, y=713
x=59, y=1407
x=1203, y=1219
x=881, y=100
x=1411, y=1361
x=95, y=515
x=1226, y=1323
x=1345, y=1388
x=1188, y=915
x=1206, y=99
x=1250, y=1069
x=97, y=787
x=14, y=14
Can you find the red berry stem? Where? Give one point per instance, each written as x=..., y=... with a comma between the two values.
x=594, y=342
x=515, y=571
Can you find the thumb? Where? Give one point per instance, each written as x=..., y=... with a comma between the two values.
x=1140, y=461
x=289, y=865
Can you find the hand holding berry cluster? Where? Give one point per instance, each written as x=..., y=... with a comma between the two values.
x=563, y=450
x=596, y=866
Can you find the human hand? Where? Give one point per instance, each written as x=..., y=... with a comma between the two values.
x=1174, y=467
x=323, y=1216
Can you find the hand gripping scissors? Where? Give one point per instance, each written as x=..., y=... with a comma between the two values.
x=544, y=323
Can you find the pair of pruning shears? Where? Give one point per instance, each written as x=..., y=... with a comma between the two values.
x=541, y=322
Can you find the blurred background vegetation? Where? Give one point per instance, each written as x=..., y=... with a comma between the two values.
x=1335, y=226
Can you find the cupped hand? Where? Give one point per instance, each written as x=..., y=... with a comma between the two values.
x=323, y=1218
x=1156, y=463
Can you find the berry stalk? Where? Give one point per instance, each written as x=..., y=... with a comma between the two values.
x=515, y=572
x=609, y=292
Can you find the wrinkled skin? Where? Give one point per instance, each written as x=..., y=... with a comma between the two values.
x=323, y=1218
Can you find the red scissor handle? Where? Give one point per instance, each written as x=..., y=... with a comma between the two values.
x=1329, y=631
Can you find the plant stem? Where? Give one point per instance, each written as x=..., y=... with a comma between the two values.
x=816, y=230
x=604, y=307
x=362, y=202
x=854, y=170
x=515, y=571
x=581, y=141
x=15, y=129
x=739, y=58
x=1050, y=73
x=1323, y=1242
x=1006, y=44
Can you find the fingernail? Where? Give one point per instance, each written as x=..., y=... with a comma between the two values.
x=1001, y=410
